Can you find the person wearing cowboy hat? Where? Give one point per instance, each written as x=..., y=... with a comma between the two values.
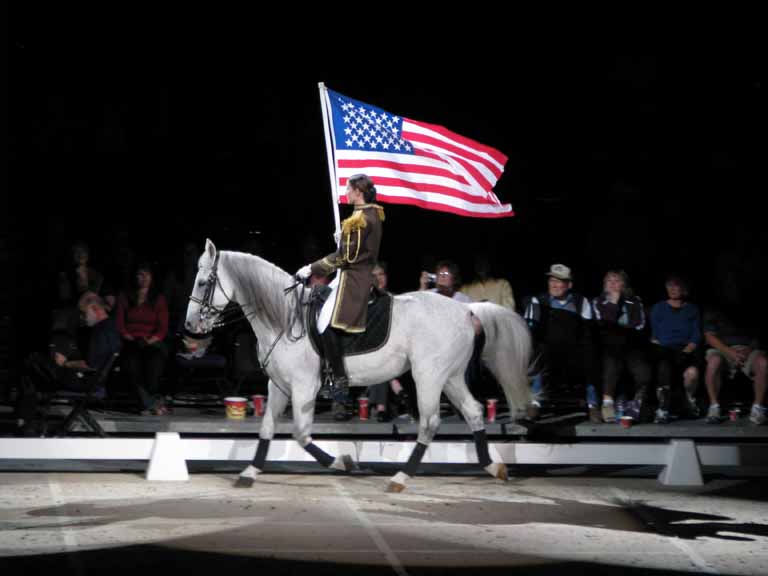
x=561, y=324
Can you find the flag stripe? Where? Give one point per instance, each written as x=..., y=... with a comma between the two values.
x=404, y=167
x=378, y=173
x=496, y=156
x=433, y=141
x=422, y=186
x=441, y=206
x=480, y=172
x=470, y=171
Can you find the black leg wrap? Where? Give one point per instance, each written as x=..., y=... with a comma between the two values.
x=324, y=458
x=261, y=454
x=415, y=459
x=481, y=445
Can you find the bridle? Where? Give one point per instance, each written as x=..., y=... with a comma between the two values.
x=207, y=308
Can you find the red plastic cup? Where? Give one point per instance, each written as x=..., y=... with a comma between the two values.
x=490, y=409
x=362, y=404
x=235, y=407
x=733, y=414
x=626, y=421
x=259, y=404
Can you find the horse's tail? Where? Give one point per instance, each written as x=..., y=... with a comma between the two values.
x=507, y=351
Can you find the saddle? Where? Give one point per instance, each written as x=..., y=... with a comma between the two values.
x=377, y=325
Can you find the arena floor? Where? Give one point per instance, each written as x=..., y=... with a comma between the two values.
x=322, y=523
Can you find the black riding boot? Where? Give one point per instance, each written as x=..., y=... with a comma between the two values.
x=332, y=350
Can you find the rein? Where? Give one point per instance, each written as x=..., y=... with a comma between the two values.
x=209, y=310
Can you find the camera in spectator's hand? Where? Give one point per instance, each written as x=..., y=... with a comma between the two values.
x=431, y=280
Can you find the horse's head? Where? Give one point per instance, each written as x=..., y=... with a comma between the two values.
x=209, y=294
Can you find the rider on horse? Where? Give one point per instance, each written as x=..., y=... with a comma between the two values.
x=355, y=257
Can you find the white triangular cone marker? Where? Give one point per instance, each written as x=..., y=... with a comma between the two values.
x=167, y=462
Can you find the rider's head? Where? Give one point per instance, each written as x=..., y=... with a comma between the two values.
x=364, y=185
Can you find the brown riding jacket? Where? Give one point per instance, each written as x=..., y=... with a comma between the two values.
x=357, y=253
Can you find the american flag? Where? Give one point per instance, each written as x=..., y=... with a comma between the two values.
x=413, y=162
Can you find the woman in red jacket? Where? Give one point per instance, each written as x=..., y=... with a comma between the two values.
x=142, y=319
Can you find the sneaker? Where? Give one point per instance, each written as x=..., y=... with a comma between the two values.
x=713, y=414
x=608, y=413
x=383, y=416
x=595, y=415
x=757, y=415
x=662, y=417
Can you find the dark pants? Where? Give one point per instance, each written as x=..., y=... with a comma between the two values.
x=636, y=364
x=379, y=394
x=564, y=363
x=43, y=376
x=143, y=365
x=670, y=365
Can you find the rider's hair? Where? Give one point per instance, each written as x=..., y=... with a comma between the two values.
x=365, y=185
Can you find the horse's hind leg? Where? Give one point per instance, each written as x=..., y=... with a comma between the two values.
x=458, y=393
x=277, y=400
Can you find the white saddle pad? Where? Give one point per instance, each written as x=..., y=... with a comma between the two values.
x=327, y=311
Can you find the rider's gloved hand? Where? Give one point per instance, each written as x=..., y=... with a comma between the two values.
x=304, y=272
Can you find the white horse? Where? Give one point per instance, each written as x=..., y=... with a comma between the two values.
x=430, y=334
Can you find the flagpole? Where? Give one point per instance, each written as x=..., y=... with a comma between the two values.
x=325, y=105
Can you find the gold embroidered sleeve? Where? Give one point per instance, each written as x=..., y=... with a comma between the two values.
x=326, y=265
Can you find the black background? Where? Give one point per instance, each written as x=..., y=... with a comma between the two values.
x=141, y=131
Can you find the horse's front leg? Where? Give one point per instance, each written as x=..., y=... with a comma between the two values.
x=277, y=400
x=303, y=415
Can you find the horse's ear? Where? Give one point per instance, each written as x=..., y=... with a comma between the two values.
x=210, y=250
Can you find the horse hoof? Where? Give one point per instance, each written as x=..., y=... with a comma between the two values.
x=349, y=464
x=397, y=484
x=243, y=482
x=498, y=470
x=395, y=487
x=344, y=464
x=247, y=477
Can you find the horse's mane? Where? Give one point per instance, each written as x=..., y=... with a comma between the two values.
x=260, y=285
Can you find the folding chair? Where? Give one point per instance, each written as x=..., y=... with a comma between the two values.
x=94, y=381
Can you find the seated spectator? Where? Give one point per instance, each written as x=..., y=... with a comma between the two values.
x=82, y=278
x=194, y=348
x=731, y=347
x=73, y=283
x=446, y=280
x=64, y=367
x=488, y=289
x=620, y=320
x=561, y=323
x=142, y=319
x=105, y=339
x=378, y=394
x=676, y=337
x=201, y=359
